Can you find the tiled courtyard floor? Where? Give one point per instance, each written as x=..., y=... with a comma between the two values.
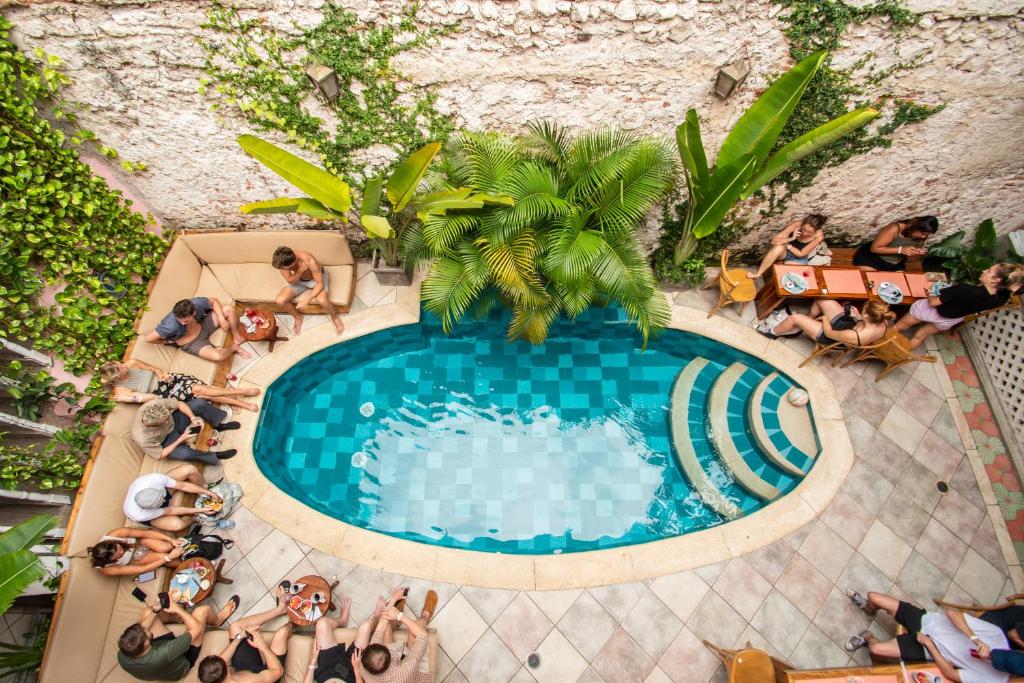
x=889, y=529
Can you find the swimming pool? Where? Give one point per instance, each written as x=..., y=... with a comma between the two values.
x=470, y=441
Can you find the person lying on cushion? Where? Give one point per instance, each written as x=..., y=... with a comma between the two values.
x=798, y=242
x=307, y=280
x=130, y=552
x=135, y=381
x=895, y=242
x=148, y=500
x=965, y=649
x=190, y=324
x=942, y=311
x=163, y=426
x=249, y=658
x=829, y=321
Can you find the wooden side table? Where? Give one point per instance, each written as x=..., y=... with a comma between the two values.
x=213, y=574
x=313, y=585
x=263, y=334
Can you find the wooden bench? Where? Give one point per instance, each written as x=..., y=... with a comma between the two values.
x=842, y=257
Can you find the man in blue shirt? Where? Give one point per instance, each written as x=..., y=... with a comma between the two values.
x=190, y=324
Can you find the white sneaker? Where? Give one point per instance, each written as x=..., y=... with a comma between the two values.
x=776, y=317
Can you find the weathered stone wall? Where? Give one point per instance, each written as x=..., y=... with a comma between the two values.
x=638, y=64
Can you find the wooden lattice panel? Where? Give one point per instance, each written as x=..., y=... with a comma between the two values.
x=999, y=341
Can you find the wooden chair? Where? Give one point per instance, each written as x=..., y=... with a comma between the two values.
x=749, y=665
x=823, y=349
x=893, y=350
x=977, y=610
x=734, y=285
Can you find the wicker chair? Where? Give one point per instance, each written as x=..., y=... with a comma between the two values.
x=734, y=285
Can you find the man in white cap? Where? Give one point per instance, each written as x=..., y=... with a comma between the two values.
x=149, y=498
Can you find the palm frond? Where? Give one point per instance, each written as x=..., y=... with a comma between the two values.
x=576, y=296
x=491, y=158
x=453, y=283
x=547, y=140
x=440, y=233
x=624, y=274
x=532, y=322
x=647, y=178
x=512, y=264
x=573, y=249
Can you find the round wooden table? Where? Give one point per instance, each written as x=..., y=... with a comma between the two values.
x=260, y=334
x=313, y=584
x=211, y=576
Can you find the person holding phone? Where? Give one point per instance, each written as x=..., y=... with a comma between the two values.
x=131, y=552
x=162, y=428
x=149, y=651
x=148, y=500
x=895, y=242
x=335, y=662
x=249, y=658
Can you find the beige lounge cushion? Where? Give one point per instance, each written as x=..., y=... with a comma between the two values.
x=177, y=280
x=328, y=246
x=175, y=360
x=210, y=287
x=119, y=420
x=78, y=639
x=125, y=612
x=261, y=282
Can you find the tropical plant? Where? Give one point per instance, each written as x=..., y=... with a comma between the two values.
x=966, y=263
x=743, y=164
x=330, y=196
x=31, y=389
x=566, y=242
x=20, y=568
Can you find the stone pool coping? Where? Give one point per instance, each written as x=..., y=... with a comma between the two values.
x=544, y=572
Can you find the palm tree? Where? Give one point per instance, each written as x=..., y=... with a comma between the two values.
x=565, y=243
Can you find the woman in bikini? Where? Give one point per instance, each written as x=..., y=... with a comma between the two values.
x=138, y=382
x=130, y=552
x=871, y=325
x=795, y=243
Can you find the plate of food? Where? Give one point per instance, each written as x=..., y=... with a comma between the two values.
x=890, y=293
x=793, y=283
x=209, y=502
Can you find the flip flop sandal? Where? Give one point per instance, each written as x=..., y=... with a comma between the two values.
x=430, y=605
x=285, y=585
x=234, y=601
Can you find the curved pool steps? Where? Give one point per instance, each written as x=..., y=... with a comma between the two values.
x=679, y=420
x=782, y=431
x=750, y=470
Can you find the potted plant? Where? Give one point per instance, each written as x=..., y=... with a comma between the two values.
x=966, y=263
x=387, y=209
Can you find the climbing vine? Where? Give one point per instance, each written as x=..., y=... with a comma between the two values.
x=258, y=72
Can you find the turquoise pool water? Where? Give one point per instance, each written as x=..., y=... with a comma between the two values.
x=470, y=441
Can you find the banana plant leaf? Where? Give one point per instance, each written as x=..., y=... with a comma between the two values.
x=26, y=534
x=402, y=184
x=326, y=188
x=371, y=196
x=757, y=130
x=280, y=205
x=437, y=203
x=377, y=226
x=314, y=209
x=691, y=151
x=723, y=191
x=502, y=200
x=807, y=144
x=18, y=570
x=985, y=237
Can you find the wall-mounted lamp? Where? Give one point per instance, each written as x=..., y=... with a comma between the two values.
x=324, y=80
x=730, y=77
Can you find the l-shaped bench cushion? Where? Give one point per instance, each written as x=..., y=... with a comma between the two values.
x=261, y=282
x=178, y=279
x=328, y=246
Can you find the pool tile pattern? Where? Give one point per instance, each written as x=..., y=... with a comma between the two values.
x=804, y=618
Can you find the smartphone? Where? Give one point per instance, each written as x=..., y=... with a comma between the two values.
x=195, y=430
x=165, y=599
x=146, y=576
x=139, y=594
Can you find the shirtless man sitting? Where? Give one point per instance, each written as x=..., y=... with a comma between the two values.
x=190, y=324
x=249, y=659
x=307, y=281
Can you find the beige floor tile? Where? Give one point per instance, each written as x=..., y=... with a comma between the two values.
x=618, y=599
x=329, y=566
x=456, y=676
x=249, y=530
x=966, y=483
x=826, y=551
x=716, y=621
x=445, y=665
x=958, y=514
x=891, y=385
x=555, y=603
x=682, y=592
x=868, y=402
x=921, y=402
x=623, y=660
x=867, y=487
x=902, y=428
x=522, y=625
x=771, y=560
x=839, y=619
x=742, y=587
x=780, y=622
x=458, y=627
x=687, y=660
x=945, y=426
x=904, y=516
x=363, y=585
x=804, y=586
x=523, y=676
x=274, y=555
x=925, y=373
x=247, y=586
x=652, y=625
x=587, y=625
x=978, y=577
x=590, y=676
x=919, y=482
x=987, y=545
x=488, y=602
x=657, y=675
x=922, y=581
x=710, y=572
x=559, y=660
x=863, y=576
x=489, y=660
x=817, y=651
x=884, y=549
x=754, y=638
x=941, y=547
x=848, y=518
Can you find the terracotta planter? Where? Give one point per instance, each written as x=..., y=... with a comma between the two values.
x=390, y=276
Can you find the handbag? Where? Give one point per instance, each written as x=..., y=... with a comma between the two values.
x=208, y=546
x=822, y=256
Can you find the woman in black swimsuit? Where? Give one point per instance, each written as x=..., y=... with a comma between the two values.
x=871, y=325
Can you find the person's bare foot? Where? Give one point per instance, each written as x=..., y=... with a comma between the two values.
x=242, y=353
x=338, y=325
x=281, y=597
x=251, y=407
x=344, y=605
x=253, y=391
x=296, y=324
x=752, y=275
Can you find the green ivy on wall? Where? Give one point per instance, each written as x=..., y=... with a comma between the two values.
x=61, y=226
x=258, y=72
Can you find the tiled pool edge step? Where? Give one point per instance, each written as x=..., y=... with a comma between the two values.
x=761, y=401
x=687, y=456
x=721, y=435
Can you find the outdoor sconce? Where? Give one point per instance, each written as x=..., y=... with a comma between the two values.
x=730, y=77
x=324, y=80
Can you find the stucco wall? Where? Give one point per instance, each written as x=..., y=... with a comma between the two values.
x=635, y=64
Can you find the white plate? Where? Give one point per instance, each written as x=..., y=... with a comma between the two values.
x=793, y=283
x=890, y=293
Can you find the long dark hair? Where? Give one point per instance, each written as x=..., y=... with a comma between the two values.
x=925, y=224
x=104, y=553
